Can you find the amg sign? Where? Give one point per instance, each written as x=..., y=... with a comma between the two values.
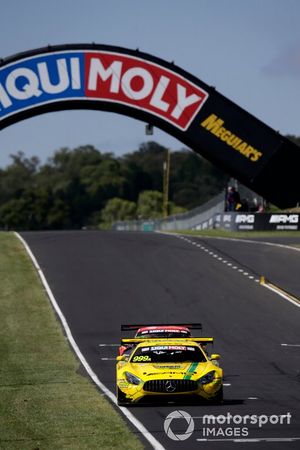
x=257, y=222
x=284, y=218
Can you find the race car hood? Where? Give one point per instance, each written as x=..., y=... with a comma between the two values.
x=148, y=371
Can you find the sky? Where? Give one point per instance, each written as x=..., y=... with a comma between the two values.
x=248, y=49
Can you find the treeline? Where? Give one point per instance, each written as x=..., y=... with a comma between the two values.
x=84, y=187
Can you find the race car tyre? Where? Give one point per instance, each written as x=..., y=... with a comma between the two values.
x=219, y=397
x=121, y=398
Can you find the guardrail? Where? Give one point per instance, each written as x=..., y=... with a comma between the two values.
x=231, y=221
x=185, y=221
x=211, y=215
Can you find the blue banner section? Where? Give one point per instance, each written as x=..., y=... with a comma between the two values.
x=40, y=80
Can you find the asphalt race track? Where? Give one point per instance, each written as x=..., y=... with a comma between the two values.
x=103, y=279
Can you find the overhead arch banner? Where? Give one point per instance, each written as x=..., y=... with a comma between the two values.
x=102, y=77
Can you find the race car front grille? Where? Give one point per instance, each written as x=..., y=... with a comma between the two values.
x=170, y=386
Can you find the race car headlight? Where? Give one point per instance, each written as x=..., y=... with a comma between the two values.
x=132, y=379
x=207, y=378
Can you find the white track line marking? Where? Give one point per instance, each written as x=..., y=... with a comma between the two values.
x=109, y=345
x=281, y=294
x=272, y=244
x=291, y=439
x=138, y=425
x=252, y=398
x=108, y=359
x=265, y=285
x=290, y=345
x=248, y=241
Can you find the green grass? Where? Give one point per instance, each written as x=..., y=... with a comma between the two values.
x=239, y=234
x=44, y=401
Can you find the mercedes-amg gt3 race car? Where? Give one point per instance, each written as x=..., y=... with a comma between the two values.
x=158, y=331
x=168, y=369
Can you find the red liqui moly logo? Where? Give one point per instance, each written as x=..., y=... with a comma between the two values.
x=99, y=76
x=143, y=85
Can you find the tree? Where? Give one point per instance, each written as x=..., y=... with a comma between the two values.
x=147, y=165
x=83, y=187
x=150, y=205
x=193, y=180
x=17, y=177
x=118, y=209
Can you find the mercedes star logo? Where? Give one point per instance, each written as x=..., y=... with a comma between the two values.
x=170, y=386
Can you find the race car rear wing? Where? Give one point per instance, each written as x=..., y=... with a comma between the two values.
x=199, y=340
x=192, y=326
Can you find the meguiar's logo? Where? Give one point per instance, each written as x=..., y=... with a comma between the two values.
x=214, y=125
x=99, y=76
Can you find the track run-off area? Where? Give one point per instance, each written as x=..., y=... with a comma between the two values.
x=102, y=279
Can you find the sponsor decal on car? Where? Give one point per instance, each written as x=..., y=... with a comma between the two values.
x=173, y=367
x=99, y=76
x=168, y=347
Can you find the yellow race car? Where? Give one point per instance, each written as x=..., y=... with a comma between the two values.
x=168, y=369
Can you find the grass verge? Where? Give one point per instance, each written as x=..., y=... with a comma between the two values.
x=44, y=402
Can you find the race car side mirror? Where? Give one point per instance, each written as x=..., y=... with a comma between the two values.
x=214, y=356
x=121, y=358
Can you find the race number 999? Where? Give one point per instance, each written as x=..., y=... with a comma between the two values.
x=141, y=358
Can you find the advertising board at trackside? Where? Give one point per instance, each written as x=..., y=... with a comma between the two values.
x=252, y=222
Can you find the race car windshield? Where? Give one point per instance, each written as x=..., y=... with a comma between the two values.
x=167, y=353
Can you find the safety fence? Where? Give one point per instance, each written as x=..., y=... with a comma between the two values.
x=211, y=215
x=185, y=221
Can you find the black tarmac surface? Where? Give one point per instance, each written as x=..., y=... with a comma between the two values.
x=103, y=279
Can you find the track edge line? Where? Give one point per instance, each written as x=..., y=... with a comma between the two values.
x=138, y=425
x=279, y=291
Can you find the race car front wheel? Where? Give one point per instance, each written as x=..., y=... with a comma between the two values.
x=121, y=398
x=219, y=397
